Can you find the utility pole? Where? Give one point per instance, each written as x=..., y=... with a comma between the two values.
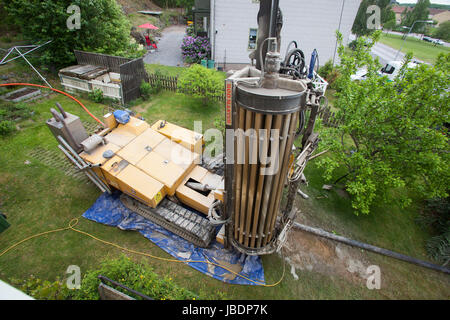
x=409, y=31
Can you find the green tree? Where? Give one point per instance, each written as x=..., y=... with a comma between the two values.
x=443, y=31
x=104, y=28
x=360, y=24
x=420, y=12
x=201, y=82
x=392, y=140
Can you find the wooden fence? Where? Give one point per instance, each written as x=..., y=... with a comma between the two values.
x=171, y=84
x=112, y=63
x=132, y=72
x=329, y=118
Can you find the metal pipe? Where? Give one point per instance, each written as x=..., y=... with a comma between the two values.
x=277, y=181
x=365, y=246
x=64, y=114
x=274, y=146
x=284, y=168
x=94, y=175
x=245, y=173
x=263, y=150
x=81, y=169
x=20, y=53
x=238, y=169
x=253, y=158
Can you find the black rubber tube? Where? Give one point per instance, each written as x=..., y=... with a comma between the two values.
x=365, y=246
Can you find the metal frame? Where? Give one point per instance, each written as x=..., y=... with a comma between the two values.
x=22, y=55
x=82, y=165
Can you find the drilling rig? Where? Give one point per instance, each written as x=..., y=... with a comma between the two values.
x=270, y=112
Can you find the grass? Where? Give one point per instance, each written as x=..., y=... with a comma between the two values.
x=422, y=50
x=38, y=197
x=387, y=226
x=164, y=70
x=180, y=109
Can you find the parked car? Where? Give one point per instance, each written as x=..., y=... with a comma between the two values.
x=438, y=42
x=390, y=70
x=428, y=39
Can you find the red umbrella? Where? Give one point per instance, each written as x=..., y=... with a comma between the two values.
x=148, y=26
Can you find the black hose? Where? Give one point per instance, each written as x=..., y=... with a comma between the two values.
x=365, y=246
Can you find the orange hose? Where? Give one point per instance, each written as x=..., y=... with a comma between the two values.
x=58, y=91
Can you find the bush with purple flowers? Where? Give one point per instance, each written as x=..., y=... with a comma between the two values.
x=195, y=48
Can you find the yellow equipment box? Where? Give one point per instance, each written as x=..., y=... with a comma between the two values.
x=191, y=140
x=137, y=149
x=162, y=170
x=200, y=201
x=149, y=163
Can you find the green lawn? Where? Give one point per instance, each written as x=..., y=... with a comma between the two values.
x=38, y=197
x=164, y=70
x=422, y=50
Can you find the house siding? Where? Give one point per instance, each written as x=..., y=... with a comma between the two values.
x=312, y=24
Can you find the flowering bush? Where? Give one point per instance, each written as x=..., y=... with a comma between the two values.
x=194, y=49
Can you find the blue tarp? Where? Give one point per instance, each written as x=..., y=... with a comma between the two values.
x=109, y=210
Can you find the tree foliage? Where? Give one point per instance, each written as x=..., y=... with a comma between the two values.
x=420, y=12
x=104, y=28
x=201, y=83
x=443, y=31
x=360, y=24
x=393, y=141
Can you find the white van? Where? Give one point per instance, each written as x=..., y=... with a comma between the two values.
x=392, y=69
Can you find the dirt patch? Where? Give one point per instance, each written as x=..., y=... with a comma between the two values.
x=142, y=108
x=305, y=251
x=21, y=93
x=131, y=6
x=343, y=193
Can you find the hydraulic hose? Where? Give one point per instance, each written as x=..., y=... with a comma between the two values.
x=56, y=90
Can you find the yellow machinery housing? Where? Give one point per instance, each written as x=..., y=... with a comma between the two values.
x=147, y=163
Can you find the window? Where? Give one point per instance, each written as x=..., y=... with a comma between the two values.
x=252, y=39
x=388, y=69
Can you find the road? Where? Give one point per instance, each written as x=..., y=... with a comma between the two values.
x=169, y=48
x=386, y=53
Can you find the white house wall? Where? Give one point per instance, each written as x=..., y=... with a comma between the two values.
x=312, y=23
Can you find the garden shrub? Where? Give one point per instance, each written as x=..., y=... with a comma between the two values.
x=10, y=113
x=329, y=73
x=137, y=276
x=96, y=95
x=146, y=90
x=436, y=217
x=42, y=289
x=201, y=82
x=6, y=127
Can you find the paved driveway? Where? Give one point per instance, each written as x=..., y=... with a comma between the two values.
x=169, y=51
